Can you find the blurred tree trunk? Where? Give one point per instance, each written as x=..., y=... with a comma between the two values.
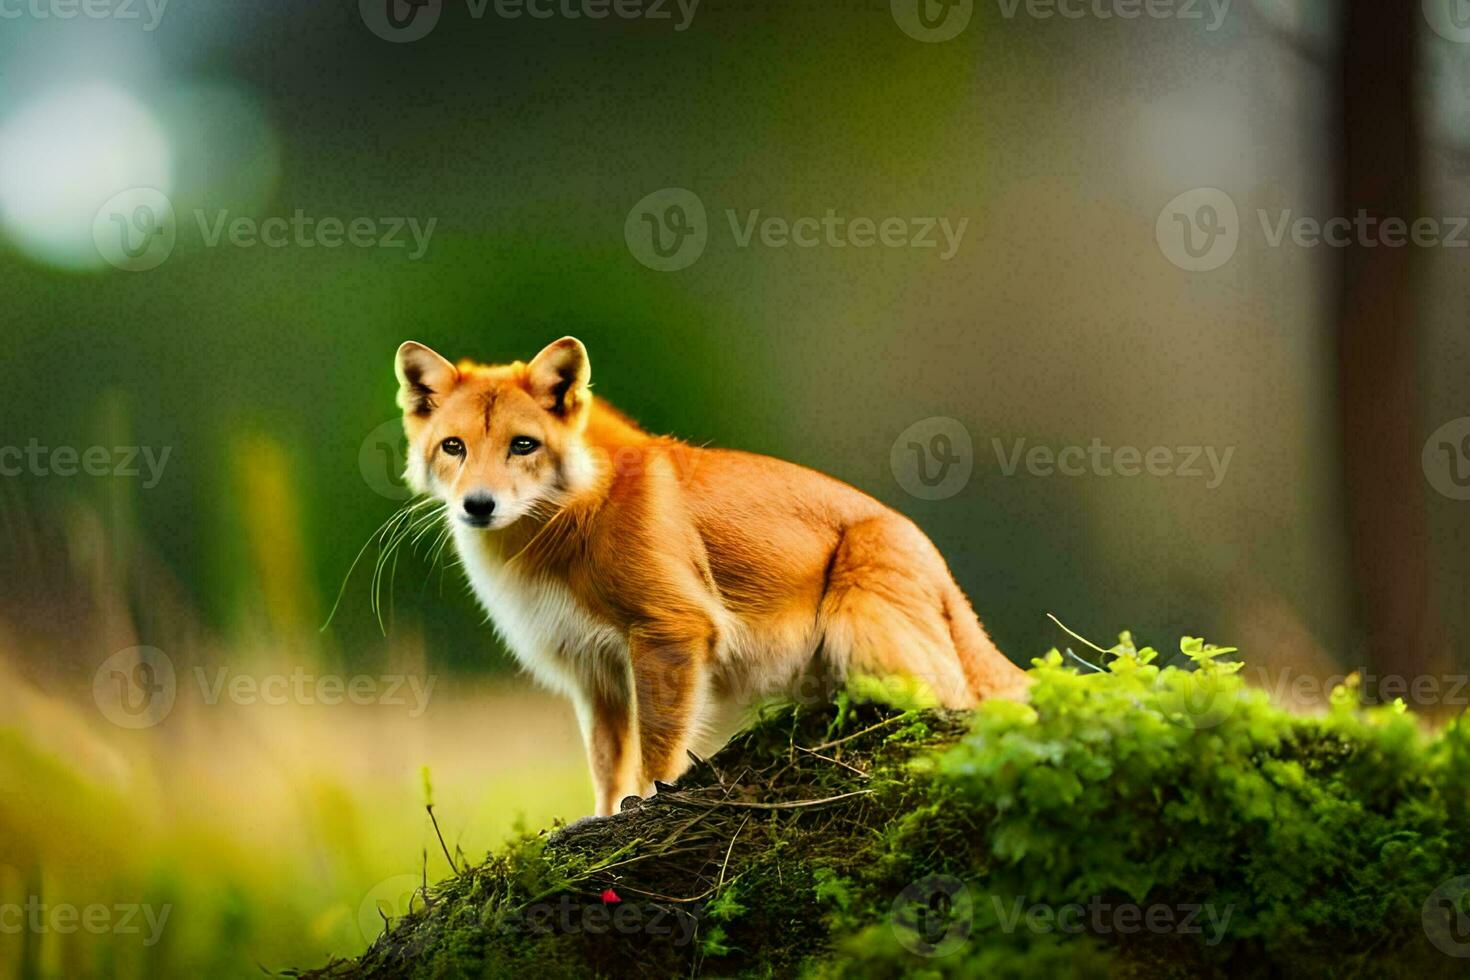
x=1378, y=157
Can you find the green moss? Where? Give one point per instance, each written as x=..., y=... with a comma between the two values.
x=1139, y=821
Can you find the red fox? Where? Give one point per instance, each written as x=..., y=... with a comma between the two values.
x=664, y=588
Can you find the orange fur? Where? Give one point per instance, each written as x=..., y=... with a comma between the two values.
x=665, y=588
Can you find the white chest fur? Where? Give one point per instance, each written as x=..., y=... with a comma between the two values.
x=560, y=642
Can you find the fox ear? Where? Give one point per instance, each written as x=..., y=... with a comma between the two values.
x=560, y=375
x=424, y=378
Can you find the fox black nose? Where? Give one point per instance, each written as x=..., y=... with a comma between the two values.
x=479, y=506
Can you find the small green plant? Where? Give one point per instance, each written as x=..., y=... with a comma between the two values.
x=723, y=909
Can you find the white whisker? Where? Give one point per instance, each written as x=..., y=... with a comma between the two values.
x=377, y=535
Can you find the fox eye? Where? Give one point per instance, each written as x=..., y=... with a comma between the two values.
x=524, y=445
x=452, y=446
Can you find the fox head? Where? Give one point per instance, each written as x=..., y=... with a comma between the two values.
x=496, y=442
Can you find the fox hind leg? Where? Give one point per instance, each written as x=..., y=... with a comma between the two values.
x=892, y=610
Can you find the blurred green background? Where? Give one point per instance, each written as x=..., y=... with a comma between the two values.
x=267, y=375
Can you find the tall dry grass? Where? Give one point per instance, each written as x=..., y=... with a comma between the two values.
x=236, y=831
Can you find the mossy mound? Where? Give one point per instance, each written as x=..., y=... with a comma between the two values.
x=1137, y=821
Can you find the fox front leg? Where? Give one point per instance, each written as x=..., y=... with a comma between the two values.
x=669, y=682
x=612, y=747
